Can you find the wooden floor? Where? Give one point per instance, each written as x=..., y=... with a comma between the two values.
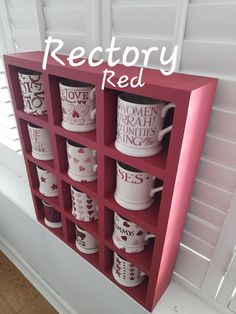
x=17, y=295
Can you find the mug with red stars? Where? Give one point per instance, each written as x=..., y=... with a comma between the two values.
x=125, y=273
x=47, y=182
x=84, y=208
x=78, y=106
x=52, y=217
x=128, y=236
x=32, y=90
x=82, y=162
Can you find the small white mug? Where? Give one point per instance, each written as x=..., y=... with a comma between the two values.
x=40, y=142
x=82, y=162
x=140, y=125
x=128, y=236
x=47, y=182
x=78, y=106
x=84, y=208
x=32, y=90
x=125, y=273
x=85, y=242
x=134, y=188
x=52, y=217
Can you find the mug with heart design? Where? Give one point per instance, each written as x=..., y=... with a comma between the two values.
x=78, y=106
x=140, y=125
x=52, y=217
x=40, y=142
x=32, y=90
x=47, y=182
x=82, y=162
x=128, y=236
x=125, y=273
x=85, y=242
x=134, y=188
x=84, y=208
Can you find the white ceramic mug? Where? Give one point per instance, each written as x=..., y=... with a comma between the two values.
x=82, y=162
x=52, y=217
x=47, y=182
x=40, y=142
x=84, y=208
x=85, y=242
x=78, y=106
x=125, y=273
x=128, y=236
x=140, y=125
x=134, y=188
x=32, y=90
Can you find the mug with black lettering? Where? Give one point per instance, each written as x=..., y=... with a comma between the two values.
x=32, y=90
x=128, y=236
x=140, y=125
x=85, y=241
x=78, y=106
x=134, y=188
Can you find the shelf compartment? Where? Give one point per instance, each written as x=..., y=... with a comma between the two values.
x=154, y=165
x=146, y=218
x=40, y=215
x=53, y=201
x=55, y=100
x=89, y=188
x=142, y=260
x=91, y=258
x=85, y=138
x=46, y=164
x=40, y=120
x=138, y=293
x=91, y=226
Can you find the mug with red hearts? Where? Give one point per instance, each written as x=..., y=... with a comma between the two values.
x=128, y=236
x=40, y=142
x=85, y=242
x=140, y=125
x=47, y=182
x=125, y=273
x=52, y=217
x=32, y=90
x=84, y=208
x=78, y=106
x=134, y=188
x=82, y=162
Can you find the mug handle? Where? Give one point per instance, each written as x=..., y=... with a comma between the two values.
x=155, y=190
x=163, y=115
x=94, y=153
x=95, y=167
x=93, y=114
x=149, y=236
x=92, y=93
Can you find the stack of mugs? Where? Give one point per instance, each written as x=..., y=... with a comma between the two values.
x=32, y=89
x=140, y=132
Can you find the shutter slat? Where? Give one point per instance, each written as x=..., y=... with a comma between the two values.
x=11, y=134
x=56, y=22
x=201, y=229
x=197, y=244
x=211, y=194
x=206, y=212
x=217, y=174
x=198, y=264
x=220, y=150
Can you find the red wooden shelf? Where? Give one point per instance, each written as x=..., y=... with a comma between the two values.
x=174, y=167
